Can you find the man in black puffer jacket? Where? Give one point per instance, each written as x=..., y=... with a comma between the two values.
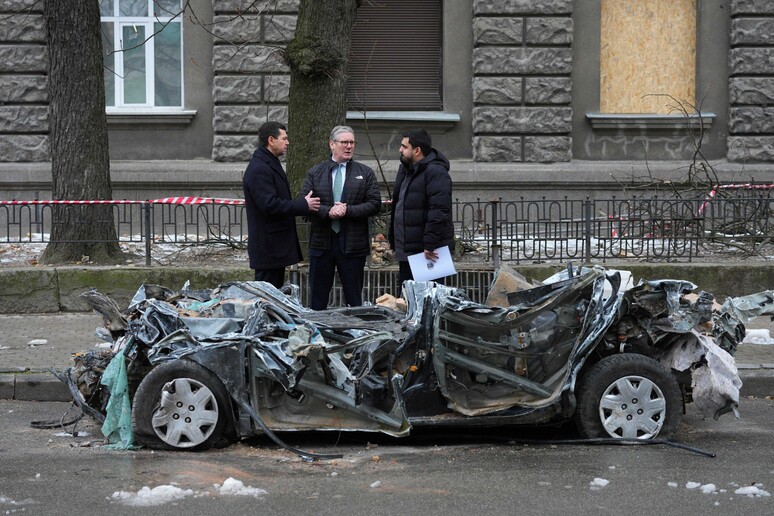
x=339, y=239
x=421, y=218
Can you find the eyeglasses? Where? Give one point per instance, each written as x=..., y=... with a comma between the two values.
x=346, y=143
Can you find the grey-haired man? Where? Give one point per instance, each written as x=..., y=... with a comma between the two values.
x=339, y=238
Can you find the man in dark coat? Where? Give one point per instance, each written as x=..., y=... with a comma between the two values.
x=272, y=243
x=421, y=219
x=339, y=238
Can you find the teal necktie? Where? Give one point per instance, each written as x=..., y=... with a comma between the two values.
x=338, y=187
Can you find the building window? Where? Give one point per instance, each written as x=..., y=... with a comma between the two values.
x=647, y=56
x=650, y=79
x=395, y=57
x=143, y=54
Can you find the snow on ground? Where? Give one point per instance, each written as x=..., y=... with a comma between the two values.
x=232, y=486
x=159, y=495
x=147, y=497
x=189, y=248
x=752, y=491
x=162, y=494
x=162, y=254
x=757, y=336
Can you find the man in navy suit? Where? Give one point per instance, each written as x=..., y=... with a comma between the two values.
x=339, y=239
x=272, y=243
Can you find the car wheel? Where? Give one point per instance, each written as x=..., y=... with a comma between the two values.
x=180, y=405
x=628, y=396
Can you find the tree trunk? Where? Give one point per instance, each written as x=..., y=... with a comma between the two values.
x=80, y=166
x=318, y=58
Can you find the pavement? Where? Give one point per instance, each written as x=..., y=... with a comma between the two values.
x=31, y=344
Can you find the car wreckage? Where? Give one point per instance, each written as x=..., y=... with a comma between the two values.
x=192, y=369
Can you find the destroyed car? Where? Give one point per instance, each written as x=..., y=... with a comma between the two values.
x=202, y=368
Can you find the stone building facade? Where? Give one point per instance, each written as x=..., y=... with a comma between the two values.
x=520, y=84
x=751, y=85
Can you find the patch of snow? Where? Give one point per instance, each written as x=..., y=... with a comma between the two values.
x=708, y=488
x=232, y=486
x=672, y=484
x=599, y=482
x=758, y=336
x=3, y=499
x=752, y=491
x=692, y=485
x=68, y=434
x=147, y=497
x=376, y=484
x=37, y=342
x=9, y=501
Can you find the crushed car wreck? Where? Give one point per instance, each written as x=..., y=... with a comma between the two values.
x=192, y=369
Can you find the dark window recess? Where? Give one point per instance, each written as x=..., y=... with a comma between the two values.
x=395, y=58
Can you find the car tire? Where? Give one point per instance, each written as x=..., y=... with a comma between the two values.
x=181, y=405
x=628, y=396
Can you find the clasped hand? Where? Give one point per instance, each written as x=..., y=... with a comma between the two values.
x=338, y=210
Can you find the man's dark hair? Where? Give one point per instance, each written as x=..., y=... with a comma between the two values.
x=419, y=138
x=269, y=129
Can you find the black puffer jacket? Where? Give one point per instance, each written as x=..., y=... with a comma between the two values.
x=427, y=217
x=361, y=193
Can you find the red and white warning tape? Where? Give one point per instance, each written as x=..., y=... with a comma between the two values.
x=196, y=200
x=165, y=200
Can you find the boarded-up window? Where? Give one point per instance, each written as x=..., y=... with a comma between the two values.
x=395, y=58
x=648, y=54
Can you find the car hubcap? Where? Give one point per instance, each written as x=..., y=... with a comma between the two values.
x=632, y=407
x=187, y=413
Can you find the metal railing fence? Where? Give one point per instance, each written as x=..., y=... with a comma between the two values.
x=474, y=280
x=522, y=230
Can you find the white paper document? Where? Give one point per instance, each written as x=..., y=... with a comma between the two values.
x=426, y=270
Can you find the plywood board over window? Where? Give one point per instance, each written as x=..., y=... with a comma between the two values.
x=648, y=54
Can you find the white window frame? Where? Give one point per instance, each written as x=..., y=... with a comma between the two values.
x=147, y=22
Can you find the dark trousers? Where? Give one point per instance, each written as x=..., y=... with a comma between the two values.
x=404, y=273
x=322, y=268
x=274, y=276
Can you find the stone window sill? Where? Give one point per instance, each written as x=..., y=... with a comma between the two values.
x=649, y=122
x=435, y=119
x=182, y=117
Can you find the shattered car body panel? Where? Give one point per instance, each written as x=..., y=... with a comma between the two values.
x=447, y=361
x=492, y=359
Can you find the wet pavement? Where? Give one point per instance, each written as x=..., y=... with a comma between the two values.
x=31, y=344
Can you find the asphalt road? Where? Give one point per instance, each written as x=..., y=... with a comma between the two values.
x=490, y=472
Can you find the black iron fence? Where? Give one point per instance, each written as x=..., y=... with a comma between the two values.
x=524, y=230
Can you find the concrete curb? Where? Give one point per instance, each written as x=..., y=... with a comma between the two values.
x=33, y=387
x=757, y=381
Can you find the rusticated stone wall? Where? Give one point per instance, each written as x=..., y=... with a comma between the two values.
x=251, y=82
x=751, y=81
x=522, y=61
x=23, y=93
